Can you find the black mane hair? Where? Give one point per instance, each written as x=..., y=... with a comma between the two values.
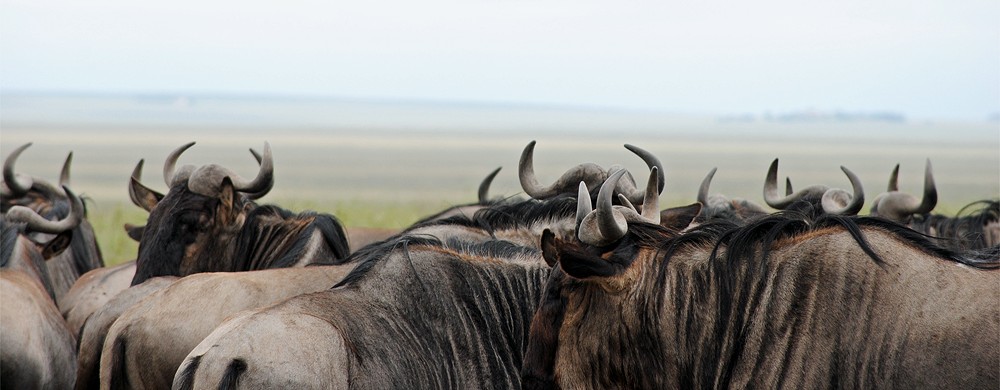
x=965, y=229
x=8, y=240
x=367, y=257
x=329, y=226
x=503, y=215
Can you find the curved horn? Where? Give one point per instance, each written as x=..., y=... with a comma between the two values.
x=650, y=204
x=260, y=162
x=894, y=179
x=651, y=162
x=772, y=198
x=788, y=186
x=169, y=176
x=484, y=187
x=610, y=227
x=16, y=185
x=930, y=192
x=592, y=174
x=705, y=183
x=604, y=225
x=64, y=174
x=583, y=206
x=262, y=184
x=141, y=195
x=256, y=156
x=839, y=202
x=37, y=223
x=899, y=206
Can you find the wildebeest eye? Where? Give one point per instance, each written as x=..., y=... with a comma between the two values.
x=191, y=222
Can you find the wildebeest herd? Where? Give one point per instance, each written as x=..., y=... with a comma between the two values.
x=587, y=283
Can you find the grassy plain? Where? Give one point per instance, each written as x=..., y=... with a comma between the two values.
x=379, y=167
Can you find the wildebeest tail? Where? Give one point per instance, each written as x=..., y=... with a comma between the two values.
x=119, y=380
x=186, y=380
x=231, y=378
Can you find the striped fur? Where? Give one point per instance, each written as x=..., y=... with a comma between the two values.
x=785, y=302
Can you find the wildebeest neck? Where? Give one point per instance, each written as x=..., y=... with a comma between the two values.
x=275, y=238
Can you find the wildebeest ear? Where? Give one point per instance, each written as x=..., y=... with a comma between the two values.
x=227, y=197
x=134, y=232
x=679, y=218
x=57, y=245
x=143, y=196
x=574, y=259
x=549, y=251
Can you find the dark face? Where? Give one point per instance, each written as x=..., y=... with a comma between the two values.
x=175, y=233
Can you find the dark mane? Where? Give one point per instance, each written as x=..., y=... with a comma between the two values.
x=965, y=229
x=370, y=255
x=9, y=233
x=738, y=272
x=8, y=240
x=330, y=228
x=523, y=214
x=761, y=233
x=367, y=257
x=497, y=249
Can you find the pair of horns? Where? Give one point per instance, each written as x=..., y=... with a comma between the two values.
x=834, y=201
x=37, y=223
x=590, y=174
x=207, y=179
x=16, y=185
x=899, y=206
x=608, y=223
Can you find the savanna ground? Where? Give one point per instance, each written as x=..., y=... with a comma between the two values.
x=377, y=176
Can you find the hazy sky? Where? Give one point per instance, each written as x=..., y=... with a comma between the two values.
x=926, y=59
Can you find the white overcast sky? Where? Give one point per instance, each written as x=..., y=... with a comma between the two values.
x=926, y=59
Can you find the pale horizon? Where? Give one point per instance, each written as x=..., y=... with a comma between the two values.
x=925, y=61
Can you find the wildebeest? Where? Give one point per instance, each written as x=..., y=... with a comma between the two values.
x=29, y=191
x=445, y=304
x=36, y=346
x=416, y=312
x=815, y=198
x=51, y=202
x=975, y=227
x=900, y=206
x=144, y=327
x=208, y=222
x=719, y=206
x=591, y=174
x=787, y=301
